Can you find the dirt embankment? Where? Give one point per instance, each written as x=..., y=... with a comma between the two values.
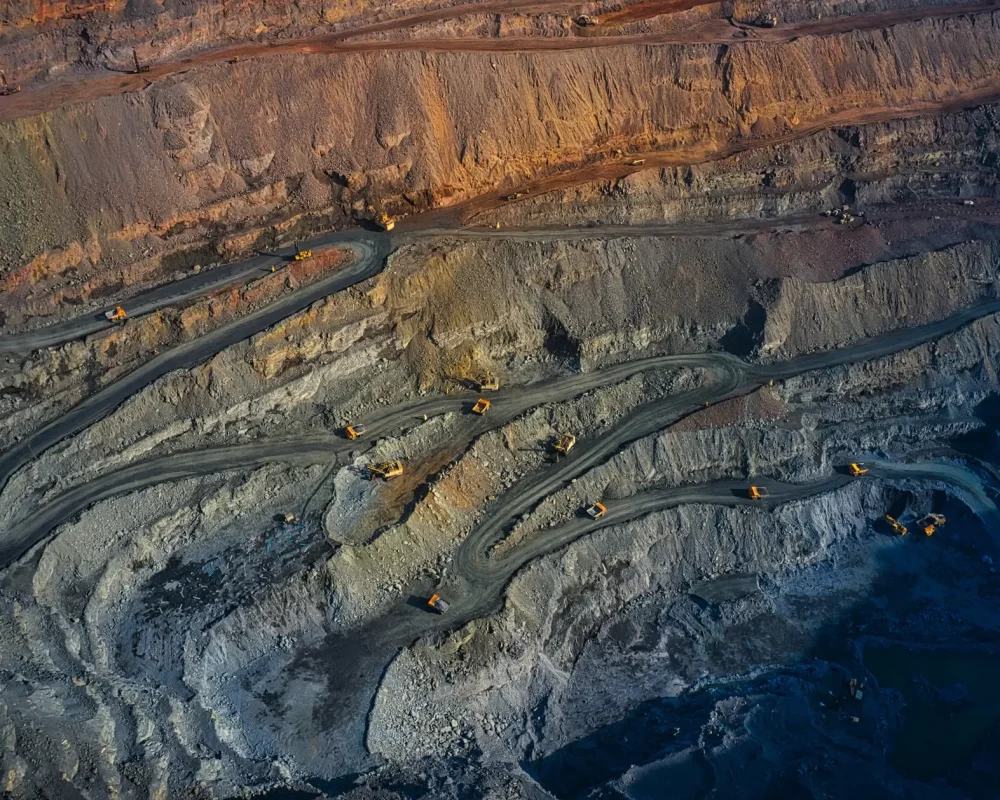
x=216, y=150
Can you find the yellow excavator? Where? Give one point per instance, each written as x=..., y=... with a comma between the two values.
x=857, y=470
x=931, y=523
x=139, y=68
x=116, y=314
x=7, y=89
x=387, y=470
x=481, y=407
x=897, y=527
x=355, y=431
x=381, y=219
x=301, y=255
x=758, y=493
x=565, y=443
x=488, y=383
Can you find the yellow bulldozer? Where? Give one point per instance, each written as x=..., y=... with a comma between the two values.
x=387, y=470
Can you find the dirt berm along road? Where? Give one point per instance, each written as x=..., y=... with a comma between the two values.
x=370, y=261
x=728, y=377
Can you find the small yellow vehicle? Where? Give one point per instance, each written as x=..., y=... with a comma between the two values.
x=857, y=470
x=481, y=407
x=117, y=314
x=897, y=527
x=597, y=510
x=931, y=523
x=387, y=470
x=438, y=604
x=758, y=493
x=355, y=431
x=565, y=443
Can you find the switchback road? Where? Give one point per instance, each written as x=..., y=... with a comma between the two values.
x=369, y=261
x=728, y=377
x=359, y=657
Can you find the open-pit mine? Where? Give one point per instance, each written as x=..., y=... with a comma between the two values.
x=500, y=399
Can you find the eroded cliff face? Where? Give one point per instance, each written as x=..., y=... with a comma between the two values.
x=161, y=173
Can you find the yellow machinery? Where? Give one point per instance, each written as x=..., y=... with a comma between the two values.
x=481, y=407
x=387, y=470
x=301, y=255
x=857, y=470
x=117, y=314
x=565, y=443
x=488, y=383
x=289, y=518
x=597, y=511
x=897, y=526
x=7, y=89
x=585, y=20
x=381, y=219
x=931, y=523
x=758, y=493
x=138, y=67
x=354, y=431
x=638, y=162
x=437, y=603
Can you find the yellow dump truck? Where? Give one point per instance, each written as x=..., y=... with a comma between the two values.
x=355, y=431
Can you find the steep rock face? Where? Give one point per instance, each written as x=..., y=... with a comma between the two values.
x=427, y=130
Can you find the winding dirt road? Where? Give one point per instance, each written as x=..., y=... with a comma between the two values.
x=728, y=377
x=369, y=261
